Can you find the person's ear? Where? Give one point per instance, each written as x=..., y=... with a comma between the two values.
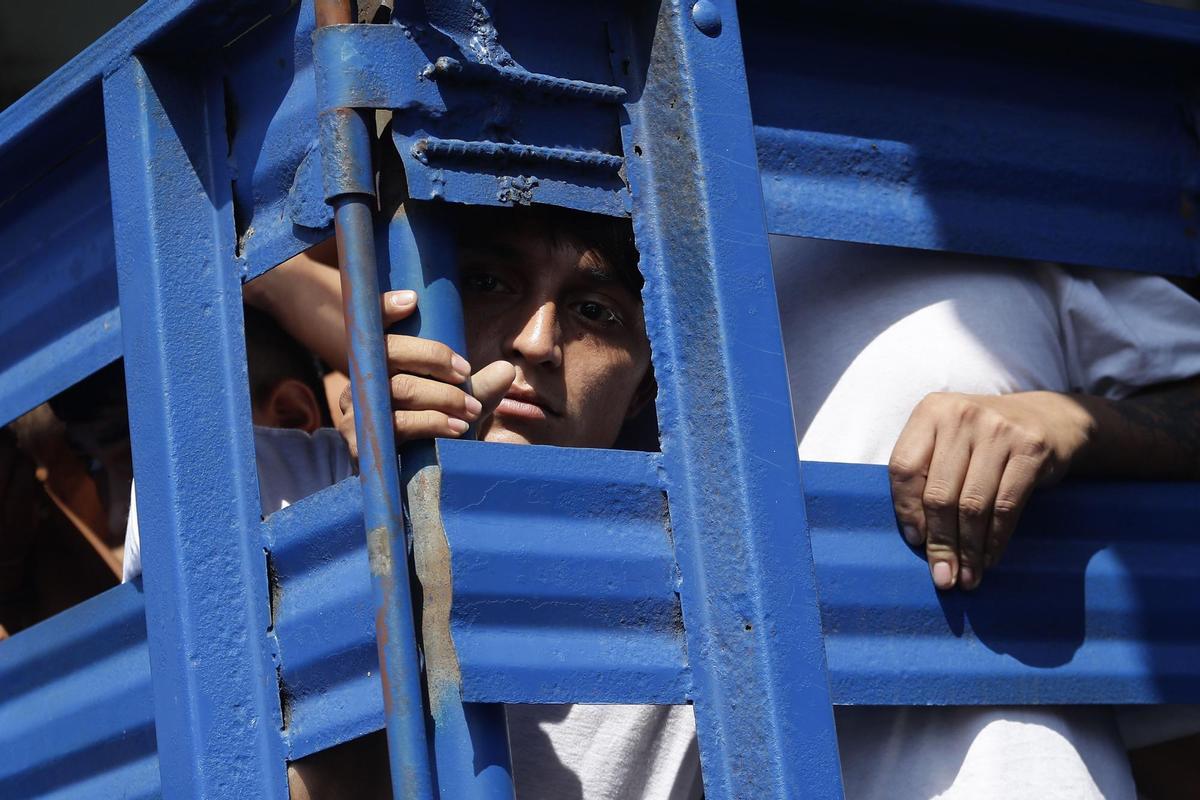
x=644, y=393
x=289, y=404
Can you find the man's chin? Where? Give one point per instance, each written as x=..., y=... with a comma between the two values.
x=505, y=436
x=496, y=430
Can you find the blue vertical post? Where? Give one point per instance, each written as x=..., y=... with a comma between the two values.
x=349, y=188
x=748, y=592
x=216, y=695
x=469, y=744
x=470, y=740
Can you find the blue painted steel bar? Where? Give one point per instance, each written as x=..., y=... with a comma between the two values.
x=58, y=300
x=539, y=615
x=946, y=126
x=737, y=513
x=1087, y=155
x=578, y=601
x=216, y=696
x=469, y=740
x=1114, y=621
x=325, y=619
x=58, y=289
x=1114, y=634
x=539, y=138
x=1094, y=601
x=588, y=612
x=349, y=181
x=76, y=708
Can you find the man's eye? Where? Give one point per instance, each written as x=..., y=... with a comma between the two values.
x=598, y=312
x=482, y=282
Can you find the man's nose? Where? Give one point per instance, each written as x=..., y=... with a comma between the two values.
x=540, y=340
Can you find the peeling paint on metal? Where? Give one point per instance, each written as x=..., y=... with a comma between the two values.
x=431, y=556
x=379, y=552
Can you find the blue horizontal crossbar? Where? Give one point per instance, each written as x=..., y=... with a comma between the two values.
x=564, y=582
x=870, y=127
x=969, y=127
x=76, y=713
x=1094, y=601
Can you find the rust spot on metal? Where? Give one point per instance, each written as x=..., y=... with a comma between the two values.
x=379, y=552
x=383, y=636
x=431, y=555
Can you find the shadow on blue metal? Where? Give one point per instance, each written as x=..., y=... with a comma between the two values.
x=973, y=127
x=76, y=712
x=212, y=656
x=1095, y=600
x=728, y=444
x=941, y=125
x=590, y=613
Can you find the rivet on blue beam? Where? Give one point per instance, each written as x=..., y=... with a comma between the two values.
x=707, y=17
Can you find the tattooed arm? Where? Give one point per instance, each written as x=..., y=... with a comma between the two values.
x=965, y=465
x=1153, y=435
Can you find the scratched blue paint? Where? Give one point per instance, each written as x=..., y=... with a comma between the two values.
x=324, y=616
x=469, y=741
x=556, y=135
x=349, y=188
x=280, y=206
x=1124, y=588
x=1089, y=159
x=578, y=602
x=212, y=656
x=747, y=586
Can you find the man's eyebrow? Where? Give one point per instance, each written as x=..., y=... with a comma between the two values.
x=500, y=251
x=598, y=273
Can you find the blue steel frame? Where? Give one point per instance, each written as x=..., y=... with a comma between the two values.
x=184, y=149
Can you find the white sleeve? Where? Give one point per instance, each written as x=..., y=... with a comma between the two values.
x=131, y=564
x=291, y=466
x=1124, y=331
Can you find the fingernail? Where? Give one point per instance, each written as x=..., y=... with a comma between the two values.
x=458, y=425
x=461, y=366
x=474, y=407
x=942, y=576
x=912, y=535
x=966, y=577
x=402, y=298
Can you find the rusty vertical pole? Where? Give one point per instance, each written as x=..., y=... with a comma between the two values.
x=346, y=137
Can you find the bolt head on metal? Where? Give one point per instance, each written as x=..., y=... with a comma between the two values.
x=707, y=17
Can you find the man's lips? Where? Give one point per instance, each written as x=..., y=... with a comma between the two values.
x=525, y=404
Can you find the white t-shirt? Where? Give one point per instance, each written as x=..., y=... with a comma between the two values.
x=868, y=332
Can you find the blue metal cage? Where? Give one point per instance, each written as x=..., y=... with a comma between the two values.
x=200, y=143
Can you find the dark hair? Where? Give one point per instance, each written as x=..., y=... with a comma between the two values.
x=272, y=357
x=610, y=238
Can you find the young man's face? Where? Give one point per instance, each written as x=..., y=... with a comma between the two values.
x=574, y=332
